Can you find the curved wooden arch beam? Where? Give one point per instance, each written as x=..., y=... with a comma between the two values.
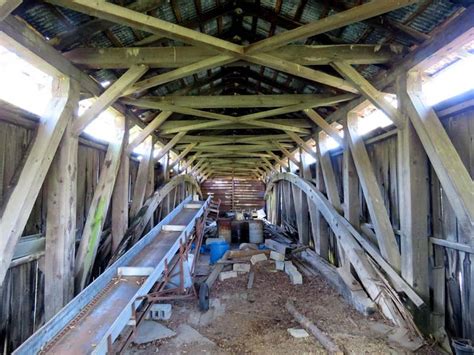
x=355, y=246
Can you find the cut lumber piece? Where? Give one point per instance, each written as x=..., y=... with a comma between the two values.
x=322, y=338
x=109, y=96
x=25, y=191
x=92, y=231
x=356, y=297
x=373, y=196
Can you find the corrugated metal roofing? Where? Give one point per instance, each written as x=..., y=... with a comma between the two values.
x=55, y=23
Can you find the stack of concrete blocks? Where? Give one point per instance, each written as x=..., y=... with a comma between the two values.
x=279, y=260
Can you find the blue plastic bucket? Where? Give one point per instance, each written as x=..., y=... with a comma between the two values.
x=218, y=249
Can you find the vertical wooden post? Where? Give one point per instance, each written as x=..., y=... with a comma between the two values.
x=33, y=173
x=61, y=219
x=350, y=183
x=373, y=196
x=98, y=209
x=120, y=197
x=414, y=201
x=321, y=243
x=313, y=212
x=139, y=189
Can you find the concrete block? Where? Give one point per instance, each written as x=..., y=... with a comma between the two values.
x=273, y=245
x=227, y=275
x=159, y=311
x=280, y=265
x=241, y=267
x=295, y=276
x=277, y=256
x=298, y=333
x=258, y=258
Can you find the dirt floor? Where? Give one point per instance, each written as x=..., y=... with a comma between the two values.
x=256, y=321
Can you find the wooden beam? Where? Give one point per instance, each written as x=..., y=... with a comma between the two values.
x=338, y=20
x=369, y=91
x=139, y=188
x=449, y=168
x=26, y=189
x=109, y=97
x=286, y=153
x=350, y=183
x=154, y=25
x=176, y=57
x=414, y=200
x=61, y=220
x=169, y=145
x=182, y=72
x=98, y=209
x=326, y=127
x=301, y=71
x=120, y=197
x=304, y=145
x=181, y=155
x=234, y=101
x=328, y=171
x=373, y=197
x=277, y=159
x=327, y=101
x=149, y=129
x=7, y=7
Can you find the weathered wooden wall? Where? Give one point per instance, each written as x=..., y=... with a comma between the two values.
x=21, y=296
x=237, y=194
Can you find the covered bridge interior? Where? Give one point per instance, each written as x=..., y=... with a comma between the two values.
x=129, y=128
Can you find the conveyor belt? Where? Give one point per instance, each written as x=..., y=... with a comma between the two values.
x=101, y=311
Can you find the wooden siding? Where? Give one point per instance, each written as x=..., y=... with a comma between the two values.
x=236, y=194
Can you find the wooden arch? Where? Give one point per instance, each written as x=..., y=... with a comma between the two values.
x=139, y=222
x=356, y=248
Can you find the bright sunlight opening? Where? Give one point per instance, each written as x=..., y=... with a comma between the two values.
x=104, y=127
x=451, y=81
x=23, y=85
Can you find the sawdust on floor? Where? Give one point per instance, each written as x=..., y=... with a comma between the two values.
x=256, y=321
